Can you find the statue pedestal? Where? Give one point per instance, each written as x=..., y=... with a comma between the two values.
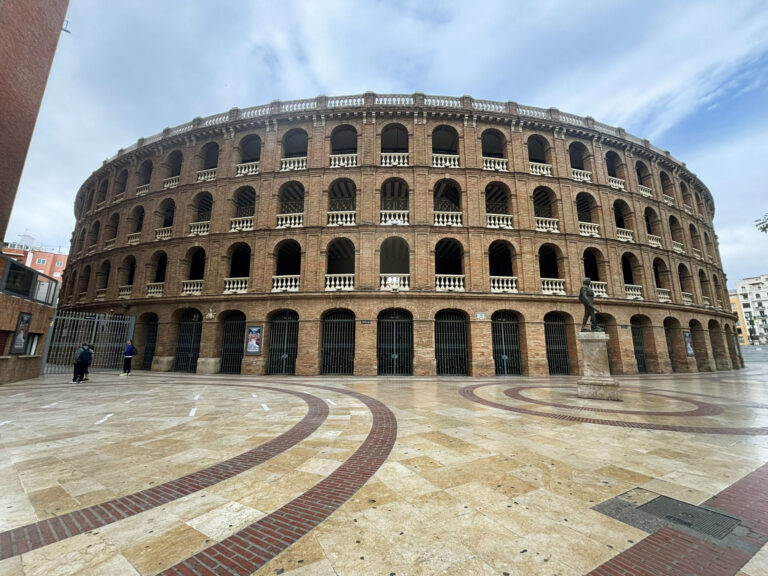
x=596, y=382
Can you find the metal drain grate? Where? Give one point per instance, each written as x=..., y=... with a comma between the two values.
x=693, y=517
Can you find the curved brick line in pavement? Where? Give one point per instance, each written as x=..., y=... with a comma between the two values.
x=24, y=538
x=247, y=550
x=702, y=408
x=468, y=392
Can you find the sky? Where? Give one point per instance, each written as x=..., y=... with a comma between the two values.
x=692, y=77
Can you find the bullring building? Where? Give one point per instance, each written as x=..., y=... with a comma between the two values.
x=401, y=235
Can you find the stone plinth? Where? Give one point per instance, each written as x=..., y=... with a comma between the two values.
x=596, y=382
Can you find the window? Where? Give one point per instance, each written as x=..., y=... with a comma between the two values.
x=59, y=263
x=40, y=261
x=57, y=274
x=745, y=305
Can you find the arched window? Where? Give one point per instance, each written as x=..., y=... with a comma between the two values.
x=501, y=267
x=394, y=265
x=93, y=235
x=84, y=282
x=159, y=266
x=166, y=213
x=196, y=263
x=616, y=170
x=449, y=266
x=173, y=166
x=101, y=197
x=544, y=210
x=136, y=220
x=287, y=266
x=202, y=207
x=581, y=162
x=497, y=212
x=644, y=177
x=127, y=272
x=110, y=229
x=342, y=198
x=695, y=240
x=291, y=205
x=667, y=187
x=587, y=213
x=394, y=145
x=677, y=235
x=344, y=140
x=493, y=145
x=145, y=173
x=340, y=267
x=446, y=203
x=239, y=261
x=595, y=268
x=209, y=156
x=623, y=218
x=445, y=140
x=250, y=149
x=539, y=151
x=687, y=198
x=295, y=143
x=102, y=279
x=394, y=202
x=121, y=182
x=706, y=292
x=686, y=283
x=652, y=226
x=550, y=269
x=244, y=204
x=662, y=280
x=632, y=273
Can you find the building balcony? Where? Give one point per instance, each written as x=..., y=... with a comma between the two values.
x=117, y=197
x=288, y=164
x=499, y=221
x=124, y=291
x=247, y=169
x=445, y=161
x=624, y=235
x=697, y=253
x=645, y=191
x=615, y=183
x=393, y=217
x=199, y=228
x=633, y=291
x=600, y=289
x=538, y=169
x=245, y=223
x=345, y=218
x=235, y=285
x=133, y=238
x=504, y=284
x=687, y=298
x=447, y=218
x=285, y=283
x=668, y=200
x=163, y=233
x=206, y=175
x=710, y=258
x=394, y=282
x=101, y=294
x=100, y=205
x=687, y=209
x=335, y=282
x=678, y=247
x=554, y=286
x=664, y=295
x=449, y=282
x=498, y=164
x=171, y=182
x=654, y=241
x=91, y=250
x=109, y=244
x=720, y=305
x=81, y=297
x=707, y=301
x=589, y=229
x=546, y=224
x=394, y=158
x=343, y=160
x=142, y=190
x=155, y=289
x=581, y=175
x=290, y=220
x=191, y=287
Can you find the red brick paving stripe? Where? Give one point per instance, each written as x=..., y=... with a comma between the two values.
x=247, y=550
x=24, y=538
x=468, y=392
x=747, y=499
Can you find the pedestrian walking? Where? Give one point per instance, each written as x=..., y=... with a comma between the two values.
x=83, y=357
x=130, y=352
x=88, y=366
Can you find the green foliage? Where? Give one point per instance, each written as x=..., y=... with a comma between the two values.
x=762, y=223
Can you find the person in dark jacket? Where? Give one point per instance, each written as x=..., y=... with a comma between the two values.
x=130, y=352
x=83, y=357
x=88, y=367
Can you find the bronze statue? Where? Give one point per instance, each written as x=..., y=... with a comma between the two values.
x=587, y=297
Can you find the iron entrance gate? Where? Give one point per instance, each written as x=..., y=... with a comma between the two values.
x=107, y=332
x=638, y=343
x=283, y=342
x=394, y=342
x=557, y=344
x=188, y=342
x=451, y=343
x=339, y=342
x=232, y=342
x=670, y=348
x=506, y=343
x=150, y=342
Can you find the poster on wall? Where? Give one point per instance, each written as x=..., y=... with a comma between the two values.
x=22, y=333
x=688, y=339
x=253, y=340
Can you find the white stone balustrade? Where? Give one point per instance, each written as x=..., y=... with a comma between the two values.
x=615, y=183
x=101, y=293
x=697, y=253
x=133, y=238
x=191, y=287
x=589, y=229
x=447, y=219
x=346, y=218
x=287, y=164
x=290, y=220
x=546, y=224
x=247, y=169
x=91, y=249
x=687, y=298
x=709, y=257
x=141, y=190
x=445, y=160
x=244, y=223
x=343, y=160
x=124, y=291
x=100, y=205
x=334, y=282
x=393, y=217
x=707, y=301
x=600, y=289
x=504, y=284
x=720, y=303
x=163, y=233
x=664, y=295
x=171, y=182
x=687, y=209
x=155, y=289
x=645, y=191
x=394, y=158
x=668, y=200
x=499, y=221
x=633, y=291
x=285, y=283
x=654, y=241
x=449, y=282
x=235, y=285
x=109, y=244
x=554, y=286
x=499, y=164
x=199, y=228
x=394, y=282
x=538, y=169
x=678, y=247
x=581, y=175
x=118, y=197
x=625, y=235
x=206, y=175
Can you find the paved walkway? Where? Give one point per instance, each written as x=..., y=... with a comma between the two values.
x=193, y=475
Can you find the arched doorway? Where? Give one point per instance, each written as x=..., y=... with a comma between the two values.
x=150, y=341
x=394, y=342
x=451, y=343
x=283, y=342
x=638, y=343
x=556, y=343
x=338, y=352
x=232, y=342
x=699, y=346
x=188, y=341
x=673, y=333
x=505, y=331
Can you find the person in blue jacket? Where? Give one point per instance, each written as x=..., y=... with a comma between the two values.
x=130, y=352
x=83, y=357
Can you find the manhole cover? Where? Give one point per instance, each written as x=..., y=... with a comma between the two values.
x=693, y=517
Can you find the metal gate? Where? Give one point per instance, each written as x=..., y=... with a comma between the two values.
x=451, y=343
x=394, y=342
x=638, y=343
x=232, y=342
x=557, y=344
x=107, y=332
x=506, y=343
x=339, y=342
x=283, y=342
x=670, y=348
x=150, y=342
x=188, y=342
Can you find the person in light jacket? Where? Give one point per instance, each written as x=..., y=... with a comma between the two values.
x=130, y=352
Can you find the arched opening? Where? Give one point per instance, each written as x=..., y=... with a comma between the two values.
x=340, y=265
x=720, y=296
x=146, y=338
x=394, y=342
x=342, y=203
x=622, y=215
x=556, y=341
x=550, y=270
x=596, y=269
x=283, y=342
x=102, y=279
x=451, y=343
x=616, y=170
x=687, y=198
x=190, y=329
x=295, y=143
x=121, y=183
x=699, y=203
x=539, y=152
x=110, y=230
x=239, y=261
x=127, y=272
x=644, y=178
x=695, y=241
x=667, y=188
x=708, y=244
x=717, y=343
x=394, y=145
x=90, y=199
x=209, y=156
x=678, y=241
x=497, y=212
x=233, y=342
x=145, y=173
x=287, y=267
x=501, y=267
x=699, y=346
x=166, y=213
x=93, y=236
x=173, y=164
x=394, y=202
x=338, y=353
x=291, y=205
x=733, y=348
x=662, y=280
x=244, y=204
x=588, y=214
x=202, y=207
x=196, y=262
x=642, y=342
x=101, y=197
x=686, y=283
x=652, y=227
x=445, y=140
x=136, y=220
x=544, y=210
x=80, y=242
x=706, y=293
x=505, y=332
x=581, y=162
x=394, y=265
x=632, y=273
x=250, y=149
x=493, y=146
x=344, y=140
x=676, y=345
x=158, y=267
x=449, y=266
x=446, y=203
